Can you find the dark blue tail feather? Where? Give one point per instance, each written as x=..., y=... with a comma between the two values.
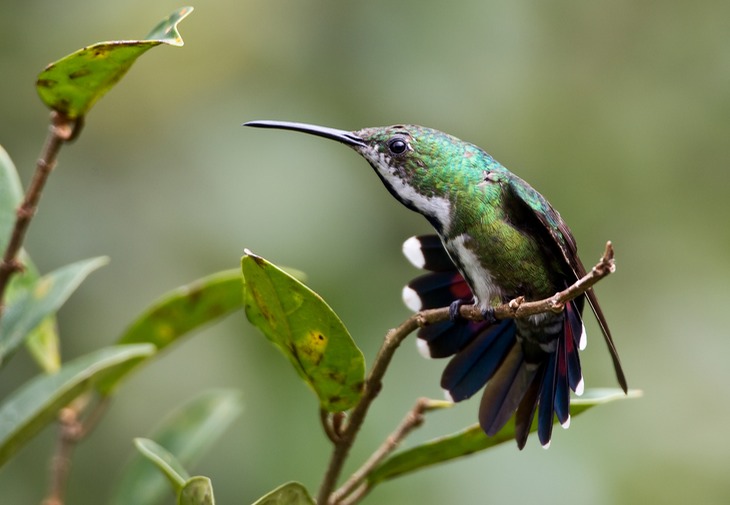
x=476, y=363
x=449, y=337
x=546, y=406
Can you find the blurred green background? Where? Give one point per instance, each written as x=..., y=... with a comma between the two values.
x=618, y=112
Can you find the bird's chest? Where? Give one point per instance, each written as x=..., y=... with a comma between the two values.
x=502, y=264
x=477, y=273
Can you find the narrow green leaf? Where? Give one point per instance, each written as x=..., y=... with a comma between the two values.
x=189, y=432
x=11, y=194
x=27, y=410
x=164, y=461
x=29, y=308
x=292, y=493
x=179, y=312
x=43, y=341
x=73, y=84
x=196, y=491
x=306, y=330
x=473, y=439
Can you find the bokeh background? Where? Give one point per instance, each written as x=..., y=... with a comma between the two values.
x=618, y=112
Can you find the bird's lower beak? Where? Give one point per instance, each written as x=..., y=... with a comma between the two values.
x=343, y=136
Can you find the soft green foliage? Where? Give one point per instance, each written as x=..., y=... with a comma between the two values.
x=472, y=440
x=188, y=433
x=196, y=491
x=164, y=460
x=26, y=411
x=180, y=311
x=291, y=493
x=11, y=193
x=306, y=330
x=189, y=490
x=28, y=309
x=73, y=84
x=42, y=341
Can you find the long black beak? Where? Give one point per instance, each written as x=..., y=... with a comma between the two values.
x=347, y=138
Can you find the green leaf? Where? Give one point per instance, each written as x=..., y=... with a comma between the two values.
x=164, y=461
x=43, y=344
x=35, y=404
x=306, y=330
x=73, y=84
x=196, y=491
x=188, y=432
x=11, y=194
x=473, y=439
x=29, y=308
x=292, y=493
x=43, y=341
x=181, y=311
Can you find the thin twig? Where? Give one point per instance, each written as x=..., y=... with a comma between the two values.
x=73, y=428
x=62, y=129
x=372, y=387
x=327, y=426
x=413, y=419
x=357, y=494
x=516, y=308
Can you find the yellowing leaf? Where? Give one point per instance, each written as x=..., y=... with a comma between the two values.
x=73, y=84
x=306, y=330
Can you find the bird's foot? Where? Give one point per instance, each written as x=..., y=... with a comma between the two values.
x=454, y=310
x=488, y=315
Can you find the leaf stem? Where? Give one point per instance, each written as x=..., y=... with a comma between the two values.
x=62, y=129
x=412, y=420
x=72, y=430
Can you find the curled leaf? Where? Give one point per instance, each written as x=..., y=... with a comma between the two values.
x=73, y=84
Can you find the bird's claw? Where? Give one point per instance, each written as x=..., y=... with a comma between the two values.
x=454, y=309
x=488, y=315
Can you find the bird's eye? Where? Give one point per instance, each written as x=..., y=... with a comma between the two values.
x=397, y=145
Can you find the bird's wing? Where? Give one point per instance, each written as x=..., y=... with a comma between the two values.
x=554, y=233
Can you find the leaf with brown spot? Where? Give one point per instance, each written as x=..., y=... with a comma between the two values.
x=73, y=84
x=306, y=330
x=179, y=312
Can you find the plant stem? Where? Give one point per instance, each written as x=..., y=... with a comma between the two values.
x=72, y=430
x=413, y=419
x=514, y=309
x=62, y=129
x=372, y=387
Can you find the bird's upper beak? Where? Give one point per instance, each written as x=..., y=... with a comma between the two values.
x=343, y=136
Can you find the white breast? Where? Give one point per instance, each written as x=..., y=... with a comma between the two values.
x=480, y=279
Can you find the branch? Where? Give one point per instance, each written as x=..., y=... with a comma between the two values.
x=373, y=384
x=516, y=308
x=413, y=419
x=61, y=130
x=72, y=430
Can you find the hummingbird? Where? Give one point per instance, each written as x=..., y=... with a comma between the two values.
x=496, y=239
